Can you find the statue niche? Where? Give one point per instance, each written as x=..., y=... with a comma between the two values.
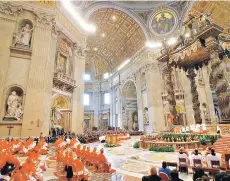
x=13, y=105
x=22, y=38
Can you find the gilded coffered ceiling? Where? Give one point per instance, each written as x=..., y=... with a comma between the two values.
x=219, y=11
x=117, y=39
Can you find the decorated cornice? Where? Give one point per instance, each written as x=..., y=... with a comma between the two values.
x=14, y=10
x=8, y=9
x=44, y=18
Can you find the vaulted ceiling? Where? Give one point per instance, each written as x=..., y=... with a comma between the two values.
x=117, y=39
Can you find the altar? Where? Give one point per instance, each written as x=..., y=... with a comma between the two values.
x=114, y=139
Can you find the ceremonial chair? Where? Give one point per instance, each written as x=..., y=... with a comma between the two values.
x=183, y=164
x=215, y=164
x=172, y=164
x=163, y=176
x=197, y=163
x=227, y=158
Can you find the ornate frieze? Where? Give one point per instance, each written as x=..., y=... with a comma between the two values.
x=44, y=18
x=9, y=9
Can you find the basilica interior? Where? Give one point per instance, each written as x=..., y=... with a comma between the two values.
x=113, y=90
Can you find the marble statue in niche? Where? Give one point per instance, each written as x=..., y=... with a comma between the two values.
x=23, y=37
x=14, y=106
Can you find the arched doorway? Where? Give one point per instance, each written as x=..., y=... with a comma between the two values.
x=129, y=106
x=61, y=114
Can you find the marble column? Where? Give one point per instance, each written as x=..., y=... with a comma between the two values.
x=78, y=93
x=112, y=105
x=139, y=102
x=195, y=97
x=96, y=107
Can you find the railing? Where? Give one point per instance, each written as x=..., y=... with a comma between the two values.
x=64, y=78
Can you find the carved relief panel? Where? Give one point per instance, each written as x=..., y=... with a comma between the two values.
x=64, y=65
x=64, y=57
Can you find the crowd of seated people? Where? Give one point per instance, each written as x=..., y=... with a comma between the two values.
x=209, y=162
x=78, y=157
x=89, y=136
x=211, y=158
x=163, y=174
x=32, y=169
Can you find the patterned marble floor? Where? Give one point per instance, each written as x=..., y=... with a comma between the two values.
x=131, y=164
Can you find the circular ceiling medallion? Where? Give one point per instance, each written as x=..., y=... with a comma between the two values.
x=163, y=22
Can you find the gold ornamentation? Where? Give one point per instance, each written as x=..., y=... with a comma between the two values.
x=60, y=102
x=64, y=46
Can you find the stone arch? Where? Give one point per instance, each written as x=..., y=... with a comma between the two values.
x=125, y=82
x=91, y=9
x=129, y=105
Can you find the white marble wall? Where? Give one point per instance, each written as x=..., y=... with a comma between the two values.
x=34, y=74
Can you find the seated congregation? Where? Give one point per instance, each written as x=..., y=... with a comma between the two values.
x=26, y=160
x=205, y=167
